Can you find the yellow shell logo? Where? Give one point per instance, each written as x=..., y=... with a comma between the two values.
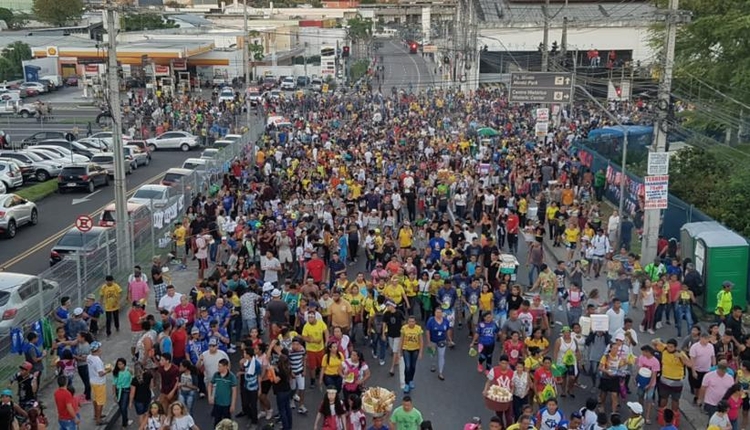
x=51, y=51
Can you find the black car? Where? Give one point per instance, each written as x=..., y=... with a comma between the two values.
x=47, y=135
x=95, y=243
x=86, y=176
x=74, y=147
x=302, y=81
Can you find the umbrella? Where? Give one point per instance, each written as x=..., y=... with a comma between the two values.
x=487, y=132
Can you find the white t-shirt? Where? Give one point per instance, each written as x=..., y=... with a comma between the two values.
x=169, y=303
x=96, y=365
x=182, y=423
x=616, y=320
x=211, y=362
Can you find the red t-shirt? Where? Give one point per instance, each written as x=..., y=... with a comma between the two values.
x=511, y=224
x=542, y=378
x=186, y=312
x=179, y=342
x=501, y=378
x=134, y=316
x=315, y=269
x=63, y=397
x=514, y=352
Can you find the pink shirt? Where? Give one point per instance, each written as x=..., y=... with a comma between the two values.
x=716, y=386
x=701, y=356
x=649, y=363
x=138, y=289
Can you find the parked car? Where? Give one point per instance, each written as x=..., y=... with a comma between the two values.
x=10, y=175
x=155, y=196
x=73, y=147
x=233, y=137
x=56, y=80
x=142, y=145
x=49, y=84
x=222, y=143
x=48, y=135
x=226, y=94
x=174, y=140
x=136, y=156
x=253, y=95
x=16, y=211
x=95, y=143
x=17, y=107
x=27, y=170
x=106, y=136
x=269, y=82
x=316, y=84
x=138, y=214
x=43, y=169
x=272, y=95
x=211, y=154
x=87, y=176
x=302, y=81
x=66, y=153
x=200, y=165
x=50, y=155
x=34, y=86
x=106, y=160
x=90, y=243
x=289, y=84
x=71, y=81
x=176, y=175
x=22, y=295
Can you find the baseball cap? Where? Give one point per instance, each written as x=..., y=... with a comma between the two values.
x=26, y=366
x=95, y=346
x=6, y=392
x=275, y=293
x=267, y=287
x=180, y=322
x=637, y=408
x=195, y=331
x=620, y=336
x=726, y=284
x=77, y=312
x=213, y=342
x=91, y=297
x=204, y=309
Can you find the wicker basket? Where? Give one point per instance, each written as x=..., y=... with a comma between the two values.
x=496, y=406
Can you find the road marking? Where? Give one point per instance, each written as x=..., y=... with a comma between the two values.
x=59, y=234
x=85, y=199
x=416, y=66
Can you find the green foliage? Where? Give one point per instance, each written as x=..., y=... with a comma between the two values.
x=146, y=21
x=360, y=29
x=14, y=20
x=11, y=59
x=257, y=52
x=58, y=12
x=358, y=69
x=712, y=48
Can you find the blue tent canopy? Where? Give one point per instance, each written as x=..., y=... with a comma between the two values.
x=634, y=131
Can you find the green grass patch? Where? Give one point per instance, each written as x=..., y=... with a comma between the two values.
x=358, y=69
x=39, y=191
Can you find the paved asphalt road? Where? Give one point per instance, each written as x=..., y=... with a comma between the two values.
x=66, y=118
x=403, y=69
x=57, y=213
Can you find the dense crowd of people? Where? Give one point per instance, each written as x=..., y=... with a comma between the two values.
x=376, y=225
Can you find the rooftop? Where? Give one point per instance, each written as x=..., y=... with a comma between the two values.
x=510, y=13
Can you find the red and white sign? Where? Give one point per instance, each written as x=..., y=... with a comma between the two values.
x=656, y=192
x=161, y=70
x=179, y=64
x=91, y=69
x=542, y=115
x=84, y=223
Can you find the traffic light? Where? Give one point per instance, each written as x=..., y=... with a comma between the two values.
x=618, y=91
x=345, y=52
x=554, y=47
x=446, y=60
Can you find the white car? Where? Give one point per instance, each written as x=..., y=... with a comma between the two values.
x=155, y=196
x=20, y=297
x=101, y=144
x=174, y=140
x=289, y=84
x=200, y=165
x=226, y=94
x=65, y=153
x=36, y=86
x=106, y=136
x=3, y=190
x=210, y=154
x=135, y=154
x=106, y=160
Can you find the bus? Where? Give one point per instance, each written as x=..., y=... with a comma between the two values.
x=413, y=46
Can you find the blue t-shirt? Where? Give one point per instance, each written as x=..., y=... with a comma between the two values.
x=438, y=330
x=62, y=313
x=166, y=345
x=447, y=298
x=436, y=245
x=487, y=333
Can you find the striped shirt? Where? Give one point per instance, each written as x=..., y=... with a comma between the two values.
x=297, y=361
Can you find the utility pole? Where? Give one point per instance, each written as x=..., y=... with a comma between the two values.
x=545, y=41
x=652, y=217
x=246, y=61
x=122, y=230
x=564, y=41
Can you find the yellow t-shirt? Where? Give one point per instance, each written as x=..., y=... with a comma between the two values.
x=551, y=212
x=405, y=237
x=394, y=292
x=532, y=364
x=485, y=301
x=671, y=365
x=542, y=343
x=410, y=337
x=572, y=234
x=316, y=332
x=332, y=363
x=523, y=206
x=411, y=286
x=179, y=235
x=111, y=295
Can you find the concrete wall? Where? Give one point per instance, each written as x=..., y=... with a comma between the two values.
x=603, y=39
x=312, y=38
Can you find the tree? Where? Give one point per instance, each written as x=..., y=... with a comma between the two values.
x=14, y=20
x=13, y=55
x=146, y=21
x=58, y=12
x=712, y=50
x=360, y=29
x=257, y=52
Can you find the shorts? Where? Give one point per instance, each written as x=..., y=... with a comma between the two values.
x=395, y=344
x=99, y=394
x=202, y=263
x=647, y=394
x=571, y=246
x=180, y=252
x=134, y=338
x=298, y=382
x=285, y=257
x=665, y=391
x=315, y=359
x=451, y=317
x=265, y=386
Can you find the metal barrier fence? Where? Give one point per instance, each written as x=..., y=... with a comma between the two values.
x=677, y=214
x=83, y=272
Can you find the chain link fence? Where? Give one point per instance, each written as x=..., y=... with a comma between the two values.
x=82, y=272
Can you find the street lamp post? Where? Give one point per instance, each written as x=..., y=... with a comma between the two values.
x=621, y=203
